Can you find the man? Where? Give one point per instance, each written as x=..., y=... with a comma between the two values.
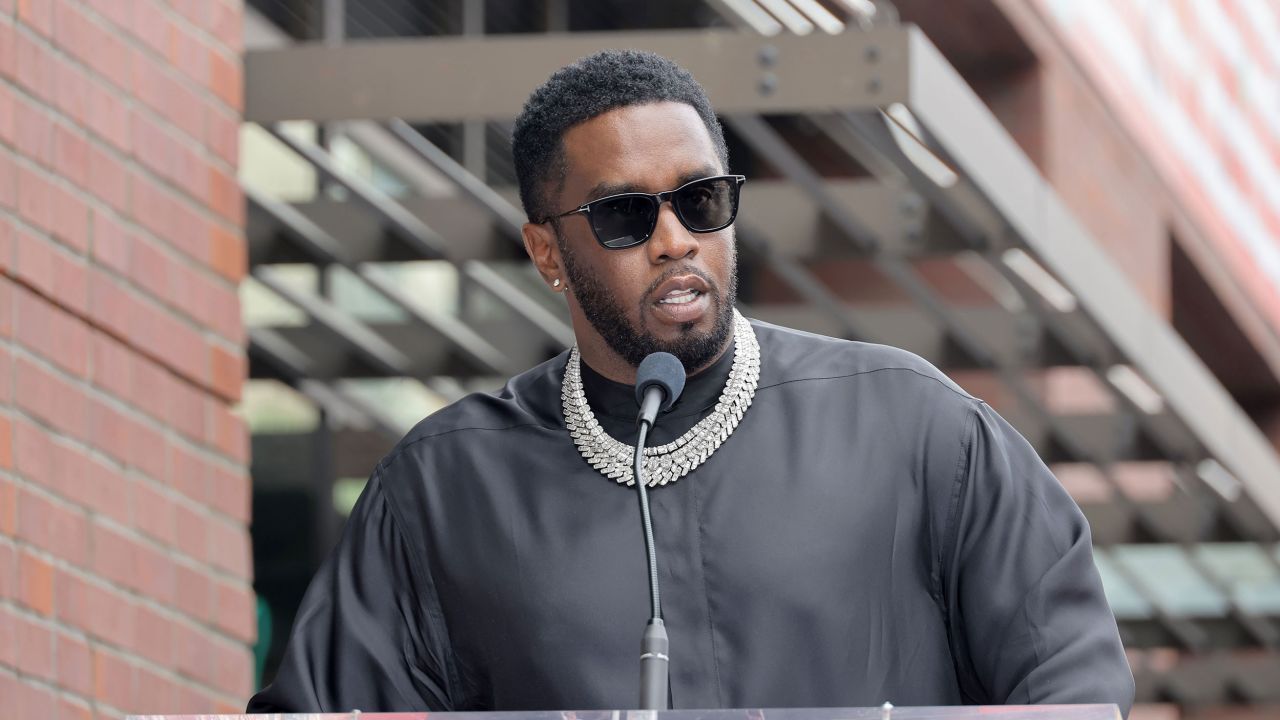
x=837, y=523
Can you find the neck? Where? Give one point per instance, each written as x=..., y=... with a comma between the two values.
x=604, y=361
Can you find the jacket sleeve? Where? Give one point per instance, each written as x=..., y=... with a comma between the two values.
x=1030, y=623
x=363, y=638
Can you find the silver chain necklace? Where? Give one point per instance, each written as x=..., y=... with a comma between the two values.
x=665, y=463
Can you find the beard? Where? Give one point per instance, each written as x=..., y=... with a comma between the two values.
x=693, y=348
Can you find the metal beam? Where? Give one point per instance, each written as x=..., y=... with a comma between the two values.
x=976, y=144
x=473, y=78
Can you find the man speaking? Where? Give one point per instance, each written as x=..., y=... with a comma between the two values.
x=837, y=523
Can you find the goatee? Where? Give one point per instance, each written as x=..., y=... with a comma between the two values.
x=694, y=349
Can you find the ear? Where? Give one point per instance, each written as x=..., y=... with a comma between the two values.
x=544, y=251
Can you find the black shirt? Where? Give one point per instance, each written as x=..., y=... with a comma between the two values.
x=869, y=533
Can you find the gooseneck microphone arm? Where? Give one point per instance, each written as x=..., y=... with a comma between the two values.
x=659, y=382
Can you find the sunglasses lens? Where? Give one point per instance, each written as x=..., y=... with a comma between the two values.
x=709, y=204
x=625, y=221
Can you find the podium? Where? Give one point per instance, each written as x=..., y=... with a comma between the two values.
x=974, y=712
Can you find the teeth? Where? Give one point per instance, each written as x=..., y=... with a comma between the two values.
x=680, y=297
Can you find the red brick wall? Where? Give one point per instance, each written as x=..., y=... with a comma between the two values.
x=124, y=495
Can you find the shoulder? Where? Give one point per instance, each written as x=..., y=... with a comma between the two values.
x=528, y=400
x=793, y=356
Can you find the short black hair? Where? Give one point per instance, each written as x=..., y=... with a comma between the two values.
x=589, y=87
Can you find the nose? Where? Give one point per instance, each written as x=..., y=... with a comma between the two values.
x=671, y=240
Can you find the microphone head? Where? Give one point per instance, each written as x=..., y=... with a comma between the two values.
x=662, y=370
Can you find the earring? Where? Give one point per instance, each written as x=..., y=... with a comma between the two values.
x=555, y=283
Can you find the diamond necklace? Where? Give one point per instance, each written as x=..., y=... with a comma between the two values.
x=665, y=463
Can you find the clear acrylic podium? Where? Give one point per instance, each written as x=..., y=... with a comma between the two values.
x=974, y=712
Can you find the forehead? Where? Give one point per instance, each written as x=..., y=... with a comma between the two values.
x=647, y=146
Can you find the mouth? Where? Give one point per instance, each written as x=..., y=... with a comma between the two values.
x=682, y=299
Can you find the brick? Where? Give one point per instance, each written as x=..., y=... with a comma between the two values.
x=8, y=638
x=194, y=593
x=33, y=66
x=35, y=197
x=150, y=267
x=222, y=134
x=233, y=664
x=227, y=25
x=70, y=218
x=101, y=611
x=50, y=271
x=35, y=648
x=33, y=131
x=118, y=12
x=103, y=49
x=228, y=371
x=50, y=398
x=150, y=24
x=194, y=653
x=35, y=583
x=6, y=299
x=113, y=678
x=229, y=547
x=152, y=388
x=108, y=178
x=111, y=365
x=231, y=492
x=157, y=332
x=237, y=611
x=189, y=54
x=225, y=197
x=186, y=412
x=8, y=108
x=155, y=636
x=8, y=508
x=34, y=448
x=114, y=556
x=38, y=15
x=73, y=709
x=155, y=573
x=71, y=154
x=189, y=235
x=6, y=442
x=225, y=78
x=111, y=304
x=51, y=332
x=110, y=492
x=109, y=116
x=228, y=253
x=72, y=90
x=8, y=564
x=188, y=472
x=53, y=527
x=157, y=694
x=75, y=664
x=197, y=12
x=228, y=433
x=33, y=700
x=191, y=531
x=111, y=431
x=8, y=51
x=153, y=512
x=148, y=450
x=189, y=170
x=152, y=144
x=112, y=243
x=9, y=200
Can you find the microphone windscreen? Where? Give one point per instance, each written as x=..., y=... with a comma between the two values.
x=663, y=370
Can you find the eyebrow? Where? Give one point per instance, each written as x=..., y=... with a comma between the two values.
x=605, y=189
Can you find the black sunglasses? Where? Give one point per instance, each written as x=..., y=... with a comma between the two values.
x=628, y=219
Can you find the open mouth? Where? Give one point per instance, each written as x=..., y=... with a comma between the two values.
x=680, y=297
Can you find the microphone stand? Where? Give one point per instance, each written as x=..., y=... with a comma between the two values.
x=654, y=645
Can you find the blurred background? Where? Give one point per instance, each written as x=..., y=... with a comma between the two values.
x=244, y=246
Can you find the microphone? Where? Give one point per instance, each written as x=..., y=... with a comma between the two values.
x=659, y=382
